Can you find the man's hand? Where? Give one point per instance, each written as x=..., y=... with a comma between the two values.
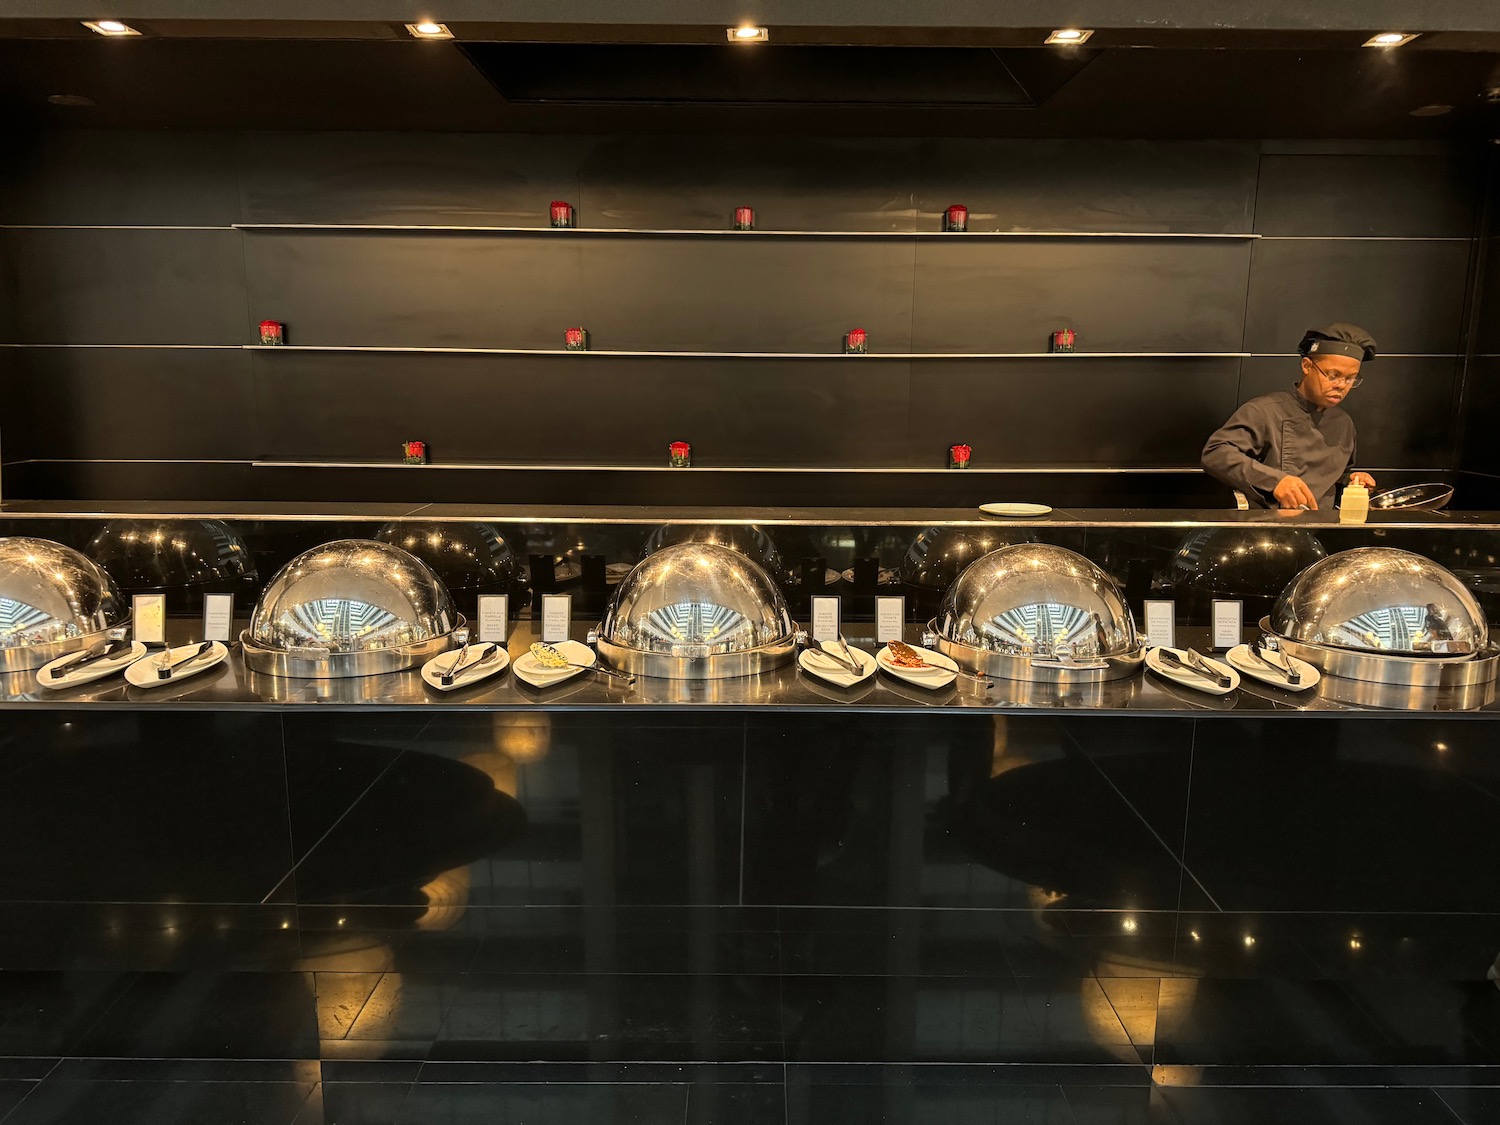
x=1363, y=478
x=1293, y=492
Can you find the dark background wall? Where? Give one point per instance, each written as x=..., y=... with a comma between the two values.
x=129, y=293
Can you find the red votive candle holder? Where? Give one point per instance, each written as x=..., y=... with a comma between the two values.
x=272, y=332
x=563, y=214
x=856, y=342
x=956, y=218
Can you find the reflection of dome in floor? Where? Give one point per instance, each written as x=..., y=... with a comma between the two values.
x=1299, y=831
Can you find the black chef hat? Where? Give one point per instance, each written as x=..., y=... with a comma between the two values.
x=1338, y=339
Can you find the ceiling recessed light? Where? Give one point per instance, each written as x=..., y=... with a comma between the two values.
x=748, y=34
x=1391, y=39
x=1069, y=36
x=110, y=27
x=429, y=29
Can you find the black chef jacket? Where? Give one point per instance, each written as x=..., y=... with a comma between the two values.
x=1277, y=435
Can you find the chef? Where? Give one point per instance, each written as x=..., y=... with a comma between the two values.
x=1289, y=448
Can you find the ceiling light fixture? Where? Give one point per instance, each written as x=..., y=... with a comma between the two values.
x=748, y=34
x=109, y=27
x=429, y=29
x=1391, y=39
x=1069, y=36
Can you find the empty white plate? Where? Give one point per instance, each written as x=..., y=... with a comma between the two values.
x=539, y=675
x=90, y=672
x=143, y=673
x=472, y=671
x=816, y=662
x=1015, y=509
x=944, y=672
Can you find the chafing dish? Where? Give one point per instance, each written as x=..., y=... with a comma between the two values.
x=1387, y=616
x=1038, y=612
x=53, y=601
x=1248, y=564
x=939, y=555
x=354, y=607
x=697, y=611
x=469, y=558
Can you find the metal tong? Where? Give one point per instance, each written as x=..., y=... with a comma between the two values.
x=489, y=652
x=1258, y=650
x=848, y=664
x=1194, y=664
x=462, y=637
x=116, y=644
x=164, y=672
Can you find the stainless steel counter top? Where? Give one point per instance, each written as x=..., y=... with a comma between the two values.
x=231, y=686
x=767, y=516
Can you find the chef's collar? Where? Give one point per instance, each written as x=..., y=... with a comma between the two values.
x=1307, y=405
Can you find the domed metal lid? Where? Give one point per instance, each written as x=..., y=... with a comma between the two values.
x=1034, y=599
x=1243, y=561
x=350, y=596
x=50, y=594
x=465, y=555
x=695, y=600
x=747, y=539
x=156, y=554
x=1380, y=599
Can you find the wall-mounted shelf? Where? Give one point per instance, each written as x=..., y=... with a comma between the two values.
x=494, y=466
x=741, y=355
x=666, y=232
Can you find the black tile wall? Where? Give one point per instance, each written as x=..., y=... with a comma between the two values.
x=1408, y=294
x=1378, y=234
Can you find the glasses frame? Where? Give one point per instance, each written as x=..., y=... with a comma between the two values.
x=1350, y=381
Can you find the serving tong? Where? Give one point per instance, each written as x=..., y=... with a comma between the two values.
x=164, y=670
x=113, y=646
x=457, y=665
x=1194, y=664
x=1262, y=645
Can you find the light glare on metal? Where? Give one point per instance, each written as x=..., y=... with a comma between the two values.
x=1069, y=36
x=109, y=27
x=748, y=34
x=1391, y=39
x=429, y=29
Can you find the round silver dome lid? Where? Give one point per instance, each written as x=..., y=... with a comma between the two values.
x=53, y=600
x=160, y=554
x=1035, y=611
x=353, y=607
x=1381, y=600
x=465, y=555
x=747, y=539
x=697, y=611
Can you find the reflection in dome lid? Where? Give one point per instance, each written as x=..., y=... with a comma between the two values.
x=1380, y=599
x=1038, y=600
x=50, y=597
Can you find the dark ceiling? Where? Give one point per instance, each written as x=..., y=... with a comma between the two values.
x=390, y=82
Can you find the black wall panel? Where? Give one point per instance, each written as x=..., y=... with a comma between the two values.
x=1408, y=294
x=433, y=290
x=126, y=286
x=1482, y=436
x=596, y=409
x=1374, y=233
x=1119, y=295
x=183, y=403
x=1428, y=194
x=406, y=178
x=1069, y=412
x=1402, y=411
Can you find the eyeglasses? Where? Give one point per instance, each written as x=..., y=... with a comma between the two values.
x=1350, y=381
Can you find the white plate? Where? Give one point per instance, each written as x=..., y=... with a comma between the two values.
x=939, y=677
x=1192, y=679
x=472, y=671
x=814, y=663
x=1239, y=657
x=95, y=671
x=538, y=675
x=885, y=578
x=143, y=672
x=1015, y=509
